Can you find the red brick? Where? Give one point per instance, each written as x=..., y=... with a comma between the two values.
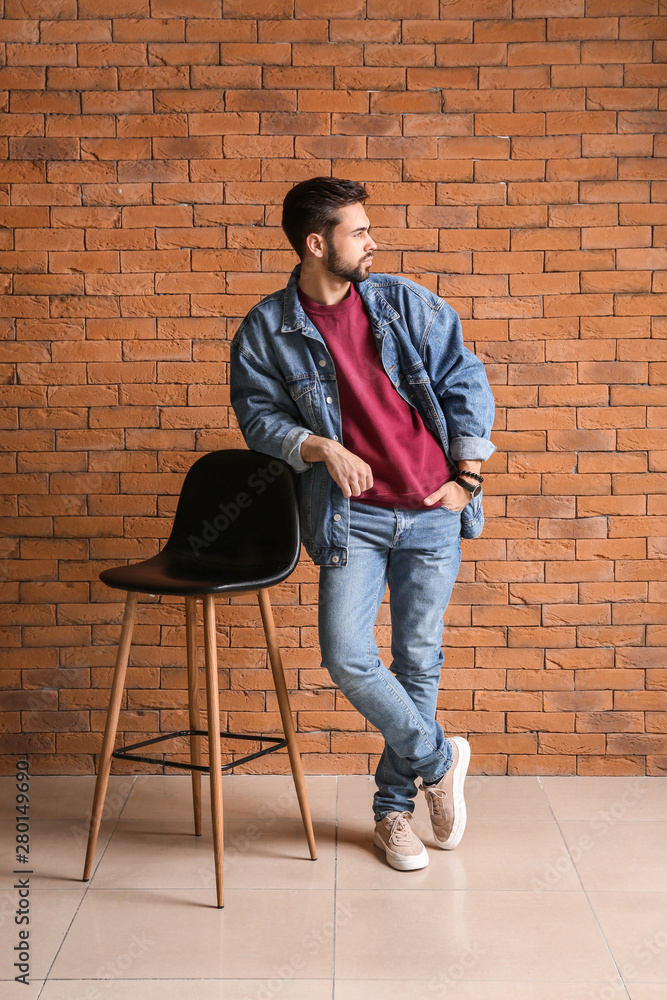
x=575, y=744
x=129, y=29
x=477, y=100
x=41, y=55
x=402, y=8
x=484, y=8
x=604, y=52
x=571, y=99
x=595, y=8
x=437, y=125
x=619, y=743
x=587, y=76
x=364, y=30
x=558, y=722
x=371, y=78
x=505, y=216
x=572, y=28
x=444, y=78
x=342, y=101
x=526, y=78
x=514, y=124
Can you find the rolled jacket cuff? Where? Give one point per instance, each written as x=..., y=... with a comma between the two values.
x=291, y=445
x=471, y=448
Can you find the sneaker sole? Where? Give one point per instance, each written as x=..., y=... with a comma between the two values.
x=399, y=861
x=457, y=792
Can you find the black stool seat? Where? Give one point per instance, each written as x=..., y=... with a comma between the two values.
x=236, y=528
x=172, y=573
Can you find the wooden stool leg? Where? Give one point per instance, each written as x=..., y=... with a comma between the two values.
x=286, y=715
x=214, y=753
x=193, y=704
x=104, y=765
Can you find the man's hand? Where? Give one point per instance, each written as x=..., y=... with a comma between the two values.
x=352, y=474
x=451, y=495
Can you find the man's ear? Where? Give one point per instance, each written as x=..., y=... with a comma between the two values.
x=315, y=244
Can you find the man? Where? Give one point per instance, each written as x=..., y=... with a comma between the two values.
x=363, y=385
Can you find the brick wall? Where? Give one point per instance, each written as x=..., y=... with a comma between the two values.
x=516, y=159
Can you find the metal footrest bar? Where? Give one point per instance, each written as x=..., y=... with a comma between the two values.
x=124, y=752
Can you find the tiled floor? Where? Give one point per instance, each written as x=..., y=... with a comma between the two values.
x=558, y=891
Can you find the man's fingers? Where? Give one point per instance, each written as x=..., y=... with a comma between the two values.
x=352, y=487
x=361, y=486
x=363, y=480
x=355, y=480
x=369, y=477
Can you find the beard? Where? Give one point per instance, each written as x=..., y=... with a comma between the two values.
x=342, y=268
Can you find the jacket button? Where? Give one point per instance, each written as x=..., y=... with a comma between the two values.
x=334, y=559
x=322, y=363
x=336, y=517
x=335, y=437
x=329, y=399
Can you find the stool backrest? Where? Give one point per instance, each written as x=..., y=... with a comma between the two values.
x=239, y=508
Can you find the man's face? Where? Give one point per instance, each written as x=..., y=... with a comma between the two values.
x=348, y=253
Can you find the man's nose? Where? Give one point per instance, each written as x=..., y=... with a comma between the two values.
x=370, y=243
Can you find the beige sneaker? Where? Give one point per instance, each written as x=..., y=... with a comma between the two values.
x=445, y=799
x=403, y=848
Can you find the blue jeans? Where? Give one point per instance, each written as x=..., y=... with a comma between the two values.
x=418, y=553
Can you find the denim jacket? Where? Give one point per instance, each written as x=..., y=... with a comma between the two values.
x=283, y=388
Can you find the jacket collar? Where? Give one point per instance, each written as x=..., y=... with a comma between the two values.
x=294, y=317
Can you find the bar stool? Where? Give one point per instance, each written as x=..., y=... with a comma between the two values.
x=236, y=530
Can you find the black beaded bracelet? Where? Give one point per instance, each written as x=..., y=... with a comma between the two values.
x=473, y=475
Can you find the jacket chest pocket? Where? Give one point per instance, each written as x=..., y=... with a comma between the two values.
x=420, y=391
x=416, y=374
x=305, y=392
x=416, y=380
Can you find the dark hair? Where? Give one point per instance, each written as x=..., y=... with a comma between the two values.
x=312, y=207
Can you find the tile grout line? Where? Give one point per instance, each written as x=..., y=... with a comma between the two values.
x=333, y=954
x=583, y=889
x=87, y=886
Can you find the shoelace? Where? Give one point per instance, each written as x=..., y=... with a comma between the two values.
x=401, y=831
x=435, y=801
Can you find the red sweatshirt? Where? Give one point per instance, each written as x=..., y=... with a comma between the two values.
x=378, y=425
